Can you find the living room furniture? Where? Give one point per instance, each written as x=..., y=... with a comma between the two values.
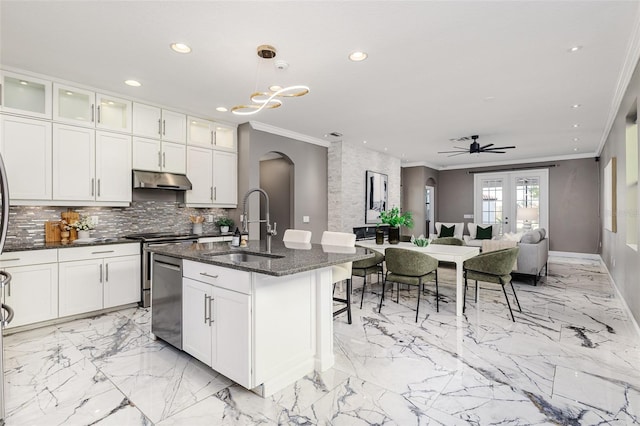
x=472, y=240
x=342, y=271
x=409, y=267
x=493, y=267
x=366, y=267
x=534, y=252
x=456, y=254
x=448, y=241
x=457, y=232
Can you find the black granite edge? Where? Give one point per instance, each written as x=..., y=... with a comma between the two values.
x=283, y=265
x=28, y=246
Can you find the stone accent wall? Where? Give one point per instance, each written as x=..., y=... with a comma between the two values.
x=347, y=168
x=26, y=223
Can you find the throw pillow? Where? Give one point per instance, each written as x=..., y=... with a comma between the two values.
x=446, y=231
x=512, y=236
x=484, y=233
x=531, y=237
x=543, y=233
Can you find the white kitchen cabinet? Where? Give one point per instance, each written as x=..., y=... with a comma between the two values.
x=26, y=149
x=154, y=155
x=25, y=95
x=73, y=163
x=90, y=165
x=113, y=167
x=73, y=105
x=226, y=137
x=33, y=290
x=153, y=122
x=196, y=331
x=113, y=113
x=225, y=179
x=200, y=173
x=96, y=277
x=205, y=240
x=200, y=132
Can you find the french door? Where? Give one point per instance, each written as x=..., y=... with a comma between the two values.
x=513, y=201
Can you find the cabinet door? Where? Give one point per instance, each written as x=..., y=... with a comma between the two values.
x=26, y=150
x=73, y=163
x=199, y=163
x=80, y=286
x=26, y=95
x=146, y=120
x=174, y=126
x=147, y=154
x=113, y=113
x=200, y=132
x=121, y=280
x=174, y=158
x=226, y=137
x=74, y=106
x=231, y=316
x=196, y=328
x=113, y=167
x=225, y=178
x=32, y=293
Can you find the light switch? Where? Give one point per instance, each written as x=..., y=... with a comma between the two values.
x=305, y=219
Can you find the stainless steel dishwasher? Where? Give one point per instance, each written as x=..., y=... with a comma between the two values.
x=166, y=299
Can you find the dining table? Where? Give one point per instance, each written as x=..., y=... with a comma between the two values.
x=441, y=252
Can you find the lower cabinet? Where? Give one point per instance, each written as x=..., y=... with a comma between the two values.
x=216, y=328
x=97, y=277
x=33, y=290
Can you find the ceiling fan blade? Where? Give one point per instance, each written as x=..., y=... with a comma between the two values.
x=486, y=146
x=459, y=153
x=500, y=147
x=449, y=152
x=494, y=152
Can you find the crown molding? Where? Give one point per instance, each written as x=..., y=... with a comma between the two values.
x=420, y=163
x=502, y=163
x=630, y=63
x=256, y=125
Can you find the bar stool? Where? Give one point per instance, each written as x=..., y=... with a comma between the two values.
x=343, y=271
x=296, y=236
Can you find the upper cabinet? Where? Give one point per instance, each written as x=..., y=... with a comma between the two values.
x=153, y=122
x=209, y=134
x=226, y=137
x=25, y=95
x=82, y=107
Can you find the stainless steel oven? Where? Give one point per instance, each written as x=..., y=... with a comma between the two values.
x=151, y=240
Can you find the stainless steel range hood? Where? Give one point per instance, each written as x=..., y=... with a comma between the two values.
x=160, y=180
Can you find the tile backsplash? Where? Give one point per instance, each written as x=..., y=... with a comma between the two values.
x=26, y=223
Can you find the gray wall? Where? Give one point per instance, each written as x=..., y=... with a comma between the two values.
x=573, y=201
x=414, y=180
x=310, y=179
x=276, y=177
x=622, y=261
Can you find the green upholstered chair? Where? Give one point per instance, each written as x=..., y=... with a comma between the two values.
x=366, y=267
x=492, y=267
x=448, y=241
x=409, y=267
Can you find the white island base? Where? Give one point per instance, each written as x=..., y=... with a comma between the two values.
x=263, y=332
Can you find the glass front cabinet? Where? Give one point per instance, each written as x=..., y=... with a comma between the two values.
x=26, y=95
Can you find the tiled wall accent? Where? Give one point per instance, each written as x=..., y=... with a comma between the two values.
x=348, y=164
x=26, y=223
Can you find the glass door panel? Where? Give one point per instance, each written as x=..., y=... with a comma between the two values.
x=527, y=203
x=74, y=106
x=491, y=203
x=26, y=95
x=113, y=113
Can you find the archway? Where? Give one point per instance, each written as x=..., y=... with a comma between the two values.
x=430, y=206
x=277, y=179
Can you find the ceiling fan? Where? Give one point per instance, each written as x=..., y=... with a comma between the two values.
x=475, y=148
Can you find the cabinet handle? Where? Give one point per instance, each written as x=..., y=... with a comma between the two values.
x=211, y=196
x=206, y=296
x=212, y=136
x=98, y=108
x=101, y=252
x=100, y=266
x=210, y=310
x=215, y=192
x=98, y=187
x=159, y=159
x=106, y=272
x=215, y=138
x=159, y=126
x=11, y=260
x=164, y=159
x=164, y=127
x=208, y=275
x=93, y=186
x=93, y=113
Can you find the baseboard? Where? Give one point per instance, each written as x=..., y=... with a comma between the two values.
x=589, y=256
x=624, y=302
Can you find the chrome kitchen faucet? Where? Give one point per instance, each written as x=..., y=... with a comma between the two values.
x=245, y=221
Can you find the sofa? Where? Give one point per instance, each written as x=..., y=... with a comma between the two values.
x=533, y=255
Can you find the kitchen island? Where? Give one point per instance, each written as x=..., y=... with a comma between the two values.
x=262, y=319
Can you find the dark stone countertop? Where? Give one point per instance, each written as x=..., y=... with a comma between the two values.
x=287, y=260
x=11, y=246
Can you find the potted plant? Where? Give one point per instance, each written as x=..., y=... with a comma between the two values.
x=224, y=223
x=83, y=226
x=395, y=220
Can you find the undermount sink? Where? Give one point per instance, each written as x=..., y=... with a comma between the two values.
x=246, y=257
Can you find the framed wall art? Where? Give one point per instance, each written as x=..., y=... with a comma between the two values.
x=376, y=196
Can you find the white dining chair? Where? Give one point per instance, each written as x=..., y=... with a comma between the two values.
x=343, y=271
x=296, y=236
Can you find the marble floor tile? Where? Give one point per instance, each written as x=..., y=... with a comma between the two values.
x=571, y=358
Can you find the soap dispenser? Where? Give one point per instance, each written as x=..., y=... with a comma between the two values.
x=235, y=242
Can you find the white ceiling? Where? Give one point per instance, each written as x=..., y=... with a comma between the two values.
x=436, y=70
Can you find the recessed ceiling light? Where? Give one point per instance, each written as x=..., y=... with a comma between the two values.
x=489, y=98
x=358, y=56
x=132, y=83
x=275, y=88
x=180, y=48
x=575, y=149
x=385, y=148
x=364, y=141
x=576, y=139
x=576, y=125
x=221, y=109
x=574, y=49
x=576, y=106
